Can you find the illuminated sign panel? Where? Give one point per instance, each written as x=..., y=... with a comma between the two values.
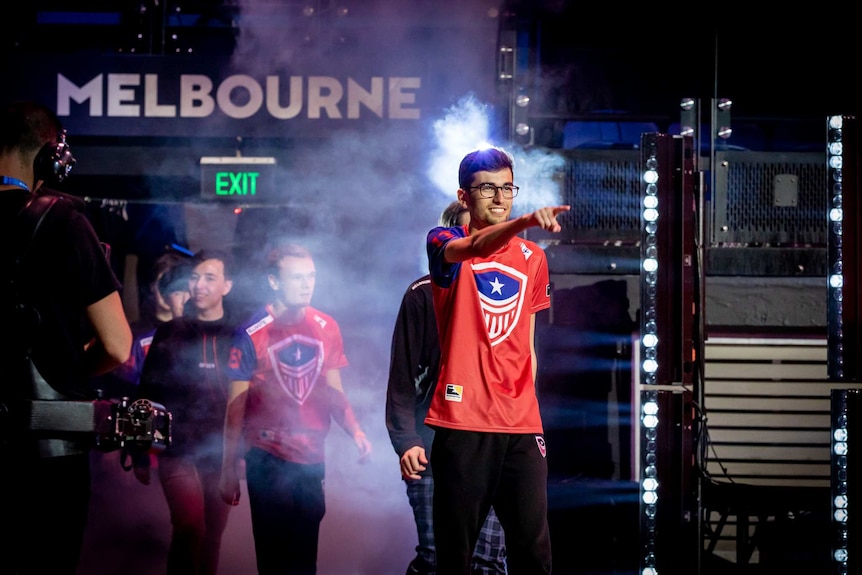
x=238, y=179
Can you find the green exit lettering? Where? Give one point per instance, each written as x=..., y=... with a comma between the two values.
x=236, y=183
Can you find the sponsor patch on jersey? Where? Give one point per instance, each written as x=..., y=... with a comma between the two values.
x=418, y=284
x=454, y=392
x=263, y=322
x=501, y=294
x=526, y=251
x=540, y=441
x=297, y=363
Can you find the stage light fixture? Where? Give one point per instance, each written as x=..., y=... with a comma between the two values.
x=665, y=353
x=842, y=240
x=649, y=484
x=649, y=261
x=689, y=118
x=649, y=366
x=521, y=116
x=722, y=118
x=514, y=83
x=844, y=407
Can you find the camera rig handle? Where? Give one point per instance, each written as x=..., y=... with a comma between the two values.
x=140, y=425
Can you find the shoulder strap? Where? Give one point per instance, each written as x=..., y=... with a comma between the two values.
x=32, y=215
x=29, y=220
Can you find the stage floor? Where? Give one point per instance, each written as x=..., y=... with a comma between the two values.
x=368, y=527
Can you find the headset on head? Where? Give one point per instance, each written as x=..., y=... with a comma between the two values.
x=54, y=161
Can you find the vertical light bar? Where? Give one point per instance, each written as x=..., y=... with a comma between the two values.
x=649, y=345
x=835, y=240
x=666, y=354
x=845, y=421
x=649, y=486
x=649, y=272
x=668, y=232
x=844, y=312
x=838, y=463
x=843, y=308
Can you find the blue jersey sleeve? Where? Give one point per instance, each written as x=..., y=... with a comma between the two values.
x=243, y=359
x=442, y=272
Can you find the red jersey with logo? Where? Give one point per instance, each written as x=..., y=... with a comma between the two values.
x=483, y=308
x=289, y=408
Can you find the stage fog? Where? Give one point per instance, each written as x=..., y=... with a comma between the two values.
x=362, y=202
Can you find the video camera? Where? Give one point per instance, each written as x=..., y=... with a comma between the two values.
x=142, y=425
x=139, y=426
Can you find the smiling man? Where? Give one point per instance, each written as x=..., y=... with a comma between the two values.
x=489, y=447
x=186, y=369
x=208, y=285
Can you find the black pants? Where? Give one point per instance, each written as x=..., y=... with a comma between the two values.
x=473, y=471
x=287, y=505
x=47, y=503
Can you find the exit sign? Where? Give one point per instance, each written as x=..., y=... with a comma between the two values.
x=239, y=179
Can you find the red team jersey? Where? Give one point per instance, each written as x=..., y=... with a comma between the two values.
x=290, y=406
x=483, y=308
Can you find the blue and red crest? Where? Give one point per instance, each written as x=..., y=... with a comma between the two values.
x=297, y=362
x=501, y=294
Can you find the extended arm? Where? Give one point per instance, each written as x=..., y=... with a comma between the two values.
x=484, y=242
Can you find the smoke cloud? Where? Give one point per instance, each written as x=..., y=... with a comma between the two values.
x=362, y=202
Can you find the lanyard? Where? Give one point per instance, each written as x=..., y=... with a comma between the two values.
x=6, y=180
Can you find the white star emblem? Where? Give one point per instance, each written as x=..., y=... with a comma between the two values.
x=498, y=287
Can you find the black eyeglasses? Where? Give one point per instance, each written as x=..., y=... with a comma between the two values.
x=488, y=190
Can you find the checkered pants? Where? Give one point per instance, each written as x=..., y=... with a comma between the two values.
x=489, y=556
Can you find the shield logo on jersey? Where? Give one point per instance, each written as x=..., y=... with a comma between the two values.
x=501, y=295
x=297, y=362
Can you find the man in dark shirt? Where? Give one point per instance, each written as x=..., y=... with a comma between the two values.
x=185, y=369
x=67, y=325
